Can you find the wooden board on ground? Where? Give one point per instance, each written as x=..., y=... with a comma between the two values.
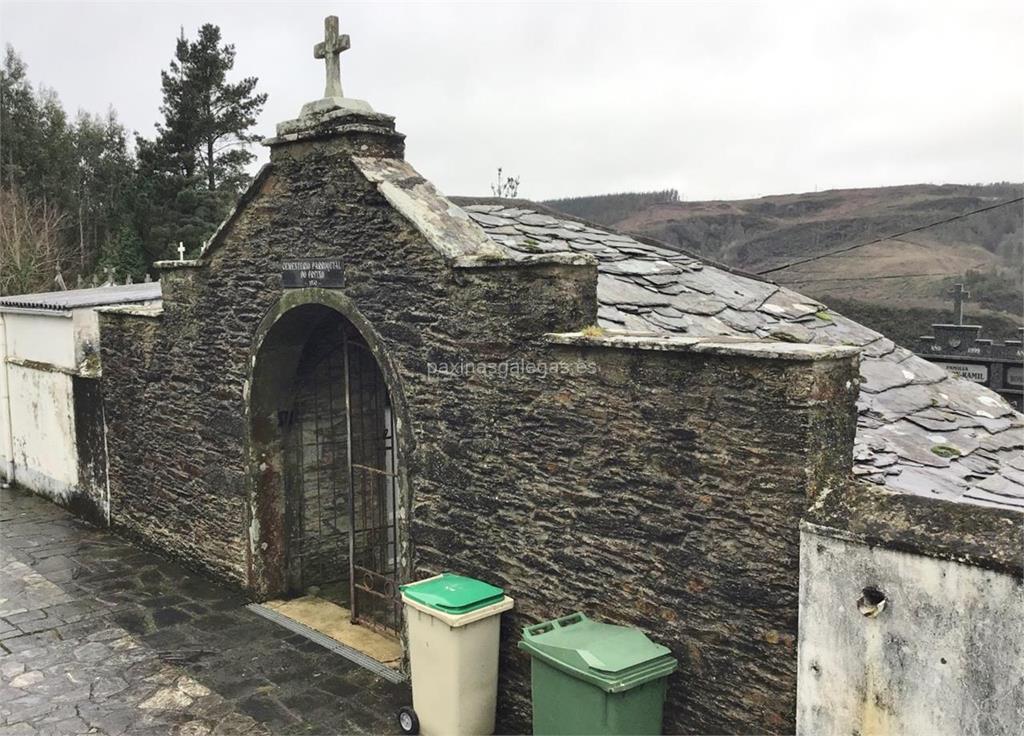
x=335, y=621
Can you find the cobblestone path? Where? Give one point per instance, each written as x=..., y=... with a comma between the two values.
x=100, y=637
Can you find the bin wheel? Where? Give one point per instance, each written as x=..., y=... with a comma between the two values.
x=407, y=720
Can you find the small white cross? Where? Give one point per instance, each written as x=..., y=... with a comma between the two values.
x=181, y=251
x=328, y=50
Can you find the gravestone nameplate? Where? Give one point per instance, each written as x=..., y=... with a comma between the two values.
x=970, y=371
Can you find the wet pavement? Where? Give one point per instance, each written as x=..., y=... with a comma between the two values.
x=98, y=636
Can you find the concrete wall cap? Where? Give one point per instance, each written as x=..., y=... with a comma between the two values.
x=173, y=265
x=134, y=310
x=540, y=259
x=741, y=347
x=944, y=528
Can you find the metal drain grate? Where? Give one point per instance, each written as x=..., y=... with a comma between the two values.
x=353, y=655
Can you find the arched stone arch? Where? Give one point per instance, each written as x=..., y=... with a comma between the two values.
x=279, y=344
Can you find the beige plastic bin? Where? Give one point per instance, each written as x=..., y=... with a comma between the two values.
x=454, y=625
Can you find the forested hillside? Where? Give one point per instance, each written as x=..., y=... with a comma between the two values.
x=608, y=209
x=897, y=284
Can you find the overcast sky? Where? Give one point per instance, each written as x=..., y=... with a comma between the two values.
x=717, y=100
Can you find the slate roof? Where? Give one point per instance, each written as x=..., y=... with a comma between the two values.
x=59, y=301
x=920, y=430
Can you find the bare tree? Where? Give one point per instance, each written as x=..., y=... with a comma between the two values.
x=31, y=243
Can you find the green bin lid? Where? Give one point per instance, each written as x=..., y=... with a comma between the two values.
x=454, y=594
x=615, y=658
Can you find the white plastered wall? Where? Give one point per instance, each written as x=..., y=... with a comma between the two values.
x=43, y=352
x=6, y=437
x=42, y=416
x=41, y=337
x=945, y=655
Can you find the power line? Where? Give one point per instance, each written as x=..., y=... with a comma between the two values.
x=874, y=278
x=901, y=240
x=894, y=236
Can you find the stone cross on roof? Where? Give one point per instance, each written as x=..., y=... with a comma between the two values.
x=329, y=50
x=333, y=106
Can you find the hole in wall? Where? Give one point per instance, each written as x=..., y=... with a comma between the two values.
x=871, y=602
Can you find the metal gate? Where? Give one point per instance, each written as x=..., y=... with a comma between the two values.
x=373, y=512
x=341, y=490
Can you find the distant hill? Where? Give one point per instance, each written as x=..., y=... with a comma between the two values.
x=608, y=209
x=896, y=286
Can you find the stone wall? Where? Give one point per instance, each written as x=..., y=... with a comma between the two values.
x=657, y=488
x=664, y=491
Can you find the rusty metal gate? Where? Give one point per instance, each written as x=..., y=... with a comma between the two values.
x=341, y=490
x=373, y=511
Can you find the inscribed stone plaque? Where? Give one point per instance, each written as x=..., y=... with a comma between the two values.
x=1014, y=375
x=326, y=273
x=970, y=371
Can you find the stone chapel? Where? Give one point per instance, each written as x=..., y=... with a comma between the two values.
x=360, y=382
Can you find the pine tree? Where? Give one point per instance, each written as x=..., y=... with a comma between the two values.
x=195, y=168
x=124, y=254
x=19, y=123
x=36, y=148
x=105, y=173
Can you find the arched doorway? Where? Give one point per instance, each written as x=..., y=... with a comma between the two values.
x=327, y=505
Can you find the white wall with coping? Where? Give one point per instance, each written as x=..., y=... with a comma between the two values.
x=41, y=352
x=52, y=429
x=944, y=656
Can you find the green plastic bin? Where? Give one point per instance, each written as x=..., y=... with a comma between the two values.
x=594, y=678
